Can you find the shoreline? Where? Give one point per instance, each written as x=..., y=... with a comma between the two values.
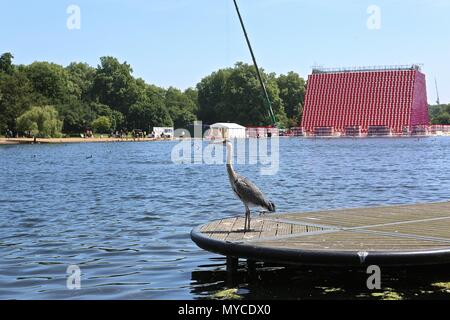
x=16, y=141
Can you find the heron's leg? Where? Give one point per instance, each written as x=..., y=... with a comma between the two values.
x=247, y=218
x=245, y=222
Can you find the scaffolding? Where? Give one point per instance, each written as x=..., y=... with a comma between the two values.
x=319, y=70
x=297, y=132
x=439, y=129
x=324, y=131
x=419, y=130
x=377, y=131
x=352, y=131
x=262, y=132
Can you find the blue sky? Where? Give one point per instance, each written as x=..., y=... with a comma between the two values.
x=177, y=42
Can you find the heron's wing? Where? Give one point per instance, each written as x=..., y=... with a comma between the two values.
x=249, y=192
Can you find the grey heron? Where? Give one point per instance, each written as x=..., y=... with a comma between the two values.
x=245, y=190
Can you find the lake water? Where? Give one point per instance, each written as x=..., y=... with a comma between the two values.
x=122, y=212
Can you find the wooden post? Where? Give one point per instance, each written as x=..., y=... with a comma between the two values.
x=232, y=264
x=251, y=265
x=251, y=268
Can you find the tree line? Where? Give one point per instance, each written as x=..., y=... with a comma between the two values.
x=48, y=99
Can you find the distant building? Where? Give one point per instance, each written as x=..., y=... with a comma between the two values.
x=163, y=132
x=231, y=130
x=371, y=101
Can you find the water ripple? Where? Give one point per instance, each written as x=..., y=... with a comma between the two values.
x=124, y=216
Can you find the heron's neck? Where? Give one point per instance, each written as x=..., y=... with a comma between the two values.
x=231, y=173
x=229, y=154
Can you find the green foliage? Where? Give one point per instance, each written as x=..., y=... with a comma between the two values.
x=181, y=108
x=82, y=95
x=50, y=82
x=6, y=65
x=16, y=97
x=234, y=95
x=115, y=86
x=292, y=92
x=116, y=118
x=443, y=118
x=81, y=77
x=40, y=122
x=146, y=114
x=211, y=95
x=440, y=114
x=102, y=124
x=192, y=94
x=150, y=110
x=77, y=116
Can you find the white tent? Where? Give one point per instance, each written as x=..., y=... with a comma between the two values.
x=231, y=130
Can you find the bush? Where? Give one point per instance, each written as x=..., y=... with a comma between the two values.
x=101, y=125
x=40, y=122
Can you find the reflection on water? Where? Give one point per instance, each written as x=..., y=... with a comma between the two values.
x=293, y=282
x=124, y=216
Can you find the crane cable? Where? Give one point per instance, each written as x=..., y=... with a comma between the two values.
x=263, y=86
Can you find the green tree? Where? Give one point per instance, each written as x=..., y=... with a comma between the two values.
x=101, y=125
x=292, y=91
x=440, y=114
x=16, y=96
x=81, y=76
x=192, y=94
x=117, y=120
x=115, y=117
x=51, y=82
x=6, y=64
x=115, y=86
x=443, y=118
x=181, y=108
x=234, y=95
x=41, y=122
x=145, y=114
x=77, y=116
x=211, y=95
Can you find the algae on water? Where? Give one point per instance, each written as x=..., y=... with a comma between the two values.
x=387, y=295
x=228, y=294
x=443, y=286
